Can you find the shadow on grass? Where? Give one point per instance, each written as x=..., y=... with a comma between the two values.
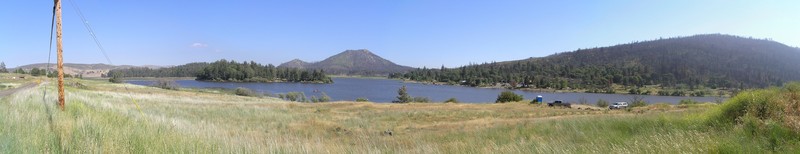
x=50, y=120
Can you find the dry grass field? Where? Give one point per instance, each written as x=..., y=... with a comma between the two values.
x=102, y=117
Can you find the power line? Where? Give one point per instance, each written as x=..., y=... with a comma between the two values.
x=100, y=46
x=91, y=31
x=49, y=52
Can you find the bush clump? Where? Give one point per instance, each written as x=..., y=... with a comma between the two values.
x=421, y=99
x=362, y=99
x=116, y=78
x=508, y=96
x=637, y=101
x=324, y=98
x=687, y=102
x=294, y=96
x=244, y=92
x=166, y=84
x=451, y=100
x=321, y=99
x=762, y=110
x=602, y=103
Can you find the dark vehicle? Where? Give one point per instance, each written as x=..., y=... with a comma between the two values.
x=560, y=103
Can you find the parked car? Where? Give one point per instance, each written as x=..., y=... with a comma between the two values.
x=618, y=105
x=560, y=103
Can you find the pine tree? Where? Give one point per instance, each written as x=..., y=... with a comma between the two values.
x=403, y=96
x=35, y=72
x=3, y=68
x=116, y=78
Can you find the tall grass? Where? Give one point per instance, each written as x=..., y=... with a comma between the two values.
x=103, y=118
x=769, y=116
x=32, y=125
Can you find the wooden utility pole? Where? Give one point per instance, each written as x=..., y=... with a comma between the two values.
x=59, y=50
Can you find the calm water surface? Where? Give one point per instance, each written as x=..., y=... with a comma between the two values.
x=385, y=90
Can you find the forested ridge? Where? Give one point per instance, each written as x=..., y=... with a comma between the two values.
x=712, y=60
x=224, y=70
x=186, y=70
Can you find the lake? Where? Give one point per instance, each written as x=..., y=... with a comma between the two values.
x=385, y=90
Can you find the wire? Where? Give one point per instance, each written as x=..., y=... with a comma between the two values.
x=91, y=31
x=100, y=46
x=49, y=53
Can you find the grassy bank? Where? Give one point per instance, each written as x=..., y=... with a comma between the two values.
x=102, y=117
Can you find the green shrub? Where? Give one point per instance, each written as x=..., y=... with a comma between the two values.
x=602, y=103
x=293, y=96
x=116, y=78
x=762, y=112
x=754, y=101
x=637, y=101
x=451, y=100
x=508, y=96
x=324, y=98
x=244, y=92
x=687, y=102
x=166, y=84
x=421, y=99
x=362, y=99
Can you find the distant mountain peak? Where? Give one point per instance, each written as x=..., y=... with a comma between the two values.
x=352, y=62
x=357, y=51
x=295, y=63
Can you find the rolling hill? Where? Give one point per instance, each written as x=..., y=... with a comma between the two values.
x=352, y=62
x=710, y=60
x=87, y=70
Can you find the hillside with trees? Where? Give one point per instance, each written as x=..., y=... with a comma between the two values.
x=254, y=72
x=86, y=70
x=352, y=62
x=186, y=70
x=230, y=71
x=712, y=61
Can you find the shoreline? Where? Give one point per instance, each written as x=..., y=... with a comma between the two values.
x=358, y=77
x=193, y=78
x=616, y=90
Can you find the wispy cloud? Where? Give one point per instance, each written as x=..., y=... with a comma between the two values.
x=199, y=45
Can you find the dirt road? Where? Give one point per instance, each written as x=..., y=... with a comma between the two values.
x=4, y=93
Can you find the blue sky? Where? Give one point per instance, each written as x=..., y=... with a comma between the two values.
x=420, y=33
